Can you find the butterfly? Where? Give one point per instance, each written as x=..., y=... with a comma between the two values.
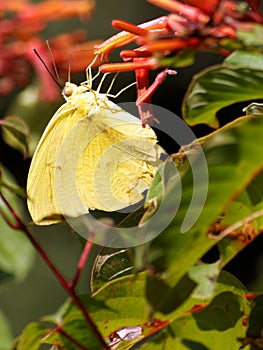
x=94, y=150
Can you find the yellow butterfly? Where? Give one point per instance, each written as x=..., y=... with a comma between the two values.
x=107, y=152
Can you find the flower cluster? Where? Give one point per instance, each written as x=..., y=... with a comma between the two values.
x=21, y=27
x=196, y=25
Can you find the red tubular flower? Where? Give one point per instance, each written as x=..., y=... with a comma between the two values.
x=159, y=25
x=129, y=55
x=194, y=23
x=166, y=46
x=140, y=63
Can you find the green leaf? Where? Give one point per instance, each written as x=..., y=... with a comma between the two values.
x=255, y=325
x=156, y=187
x=15, y=133
x=78, y=330
x=219, y=87
x=16, y=252
x=118, y=304
x=109, y=264
x=36, y=334
x=229, y=283
x=121, y=305
x=31, y=337
x=255, y=190
x=165, y=298
x=11, y=186
x=241, y=210
x=205, y=275
x=183, y=58
x=239, y=58
x=233, y=161
x=216, y=326
x=166, y=340
x=120, y=296
x=247, y=203
x=251, y=38
x=111, y=308
x=5, y=333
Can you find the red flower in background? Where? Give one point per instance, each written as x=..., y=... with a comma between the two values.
x=21, y=26
x=196, y=24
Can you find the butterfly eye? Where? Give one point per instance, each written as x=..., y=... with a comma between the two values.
x=68, y=91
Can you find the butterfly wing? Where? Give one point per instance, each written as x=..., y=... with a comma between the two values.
x=41, y=194
x=91, y=155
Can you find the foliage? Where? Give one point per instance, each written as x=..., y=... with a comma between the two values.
x=163, y=294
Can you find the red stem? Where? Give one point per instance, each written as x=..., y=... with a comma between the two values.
x=9, y=223
x=82, y=261
x=69, y=287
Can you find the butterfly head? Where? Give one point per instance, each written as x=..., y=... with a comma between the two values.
x=71, y=89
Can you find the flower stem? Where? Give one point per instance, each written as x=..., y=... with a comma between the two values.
x=82, y=260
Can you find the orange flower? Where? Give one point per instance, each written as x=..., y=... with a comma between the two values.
x=20, y=33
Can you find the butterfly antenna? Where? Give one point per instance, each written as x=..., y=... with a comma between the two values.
x=69, y=67
x=53, y=62
x=48, y=70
